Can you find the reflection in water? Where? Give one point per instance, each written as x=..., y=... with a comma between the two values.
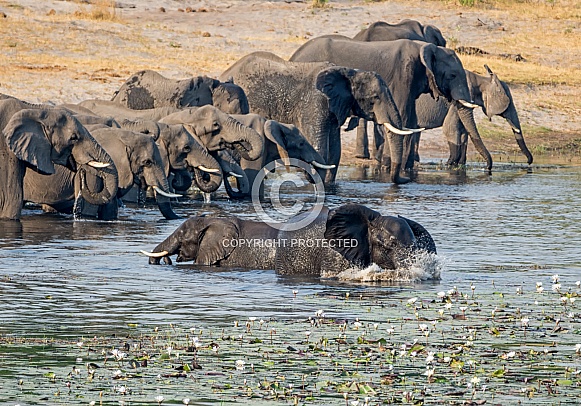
x=59, y=276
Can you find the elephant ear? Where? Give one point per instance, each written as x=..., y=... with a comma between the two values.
x=433, y=35
x=335, y=83
x=28, y=136
x=353, y=123
x=428, y=58
x=274, y=133
x=351, y=222
x=216, y=241
x=423, y=239
x=495, y=98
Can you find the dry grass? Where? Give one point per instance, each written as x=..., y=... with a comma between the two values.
x=101, y=10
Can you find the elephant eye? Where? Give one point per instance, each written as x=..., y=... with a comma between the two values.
x=187, y=148
x=147, y=163
x=74, y=137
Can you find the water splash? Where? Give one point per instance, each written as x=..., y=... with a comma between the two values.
x=78, y=207
x=423, y=266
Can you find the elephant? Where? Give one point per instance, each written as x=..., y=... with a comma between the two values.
x=349, y=236
x=281, y=141
x=410, y=69
x=491, y=94
x=230, y=98
x=315, y=97
x=138, y=162
x=382, y=31
x=148, y=89
x=217, y=130
x=405, y=29
x=38, y=138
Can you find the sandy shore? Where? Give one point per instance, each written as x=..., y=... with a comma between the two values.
x=62, y=52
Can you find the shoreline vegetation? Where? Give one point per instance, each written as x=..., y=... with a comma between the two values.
x=69, y=51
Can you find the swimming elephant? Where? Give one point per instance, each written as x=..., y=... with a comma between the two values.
x=335, y=240
x=138, y=162
x=315, y=97
x=410, y=69
x=148, y=89
x=36, y=138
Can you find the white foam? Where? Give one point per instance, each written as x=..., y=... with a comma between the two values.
x=423, y=266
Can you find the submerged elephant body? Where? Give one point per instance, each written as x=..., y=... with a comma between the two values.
x=338, y=239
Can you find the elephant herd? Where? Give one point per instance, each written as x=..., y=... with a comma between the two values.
x=168, y=135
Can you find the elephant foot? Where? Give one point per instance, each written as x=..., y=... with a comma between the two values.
x=362, y=156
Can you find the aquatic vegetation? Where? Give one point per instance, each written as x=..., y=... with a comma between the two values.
x=412, y=347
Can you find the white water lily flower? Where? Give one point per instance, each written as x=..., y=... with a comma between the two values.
x=186, y=401
x=356, y=325
x=555, y=278
x=510, y=354
x=117, y=373
x=578, y=283
x=539, y=284
x=448, y=306
x=430, y=372
x=390, y=330
x=412, y=300
x=423, y=327
x=441, y=294
x=556, y=287
x=430, y=358
x=572, y=300
x=447, y=359
x=159, y=399
x=122, y=390
x=307, y=333
x=540, y=289
x=519, y=290
x=320, y=313
x=524, y=321
x=240, y=364
x=578, y=348
x=475, y=380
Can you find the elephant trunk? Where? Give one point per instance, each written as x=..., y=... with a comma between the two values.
x=245, y=140
x=206, y=170
x=511, y=116
x=181, y=180
x=207, y=182
x=85, y=154
x=396, y=148
x=168, y=247
x=231, y=167
x=466, y=115
x=155, y=177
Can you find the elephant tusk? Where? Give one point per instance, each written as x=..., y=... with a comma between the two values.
x=322, y=166
x=235, y=175
x=516, y=130
x=415, y=130
x=203, y=168
x=155, y=254
x=96, y=164
x=469, y=105
x=397, y=131
x=166, y=194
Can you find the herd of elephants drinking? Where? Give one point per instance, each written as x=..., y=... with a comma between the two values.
x=168, y=135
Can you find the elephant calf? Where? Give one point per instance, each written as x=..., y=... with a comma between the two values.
x=336, y=240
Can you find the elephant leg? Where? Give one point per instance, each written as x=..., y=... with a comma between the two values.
x=361, y=141
x=109, y=211
x=452, y=129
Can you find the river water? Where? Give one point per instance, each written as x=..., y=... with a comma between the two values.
x=60, y=277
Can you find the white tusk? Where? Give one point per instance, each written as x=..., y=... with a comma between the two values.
x=203, y=168
x=96, y=164
x=469, y=105
x=397, y=131
x=415, y=130
x=516, y=130
x=322, y=166
x=155, y=254
x=166, y=194
x=235, y=175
